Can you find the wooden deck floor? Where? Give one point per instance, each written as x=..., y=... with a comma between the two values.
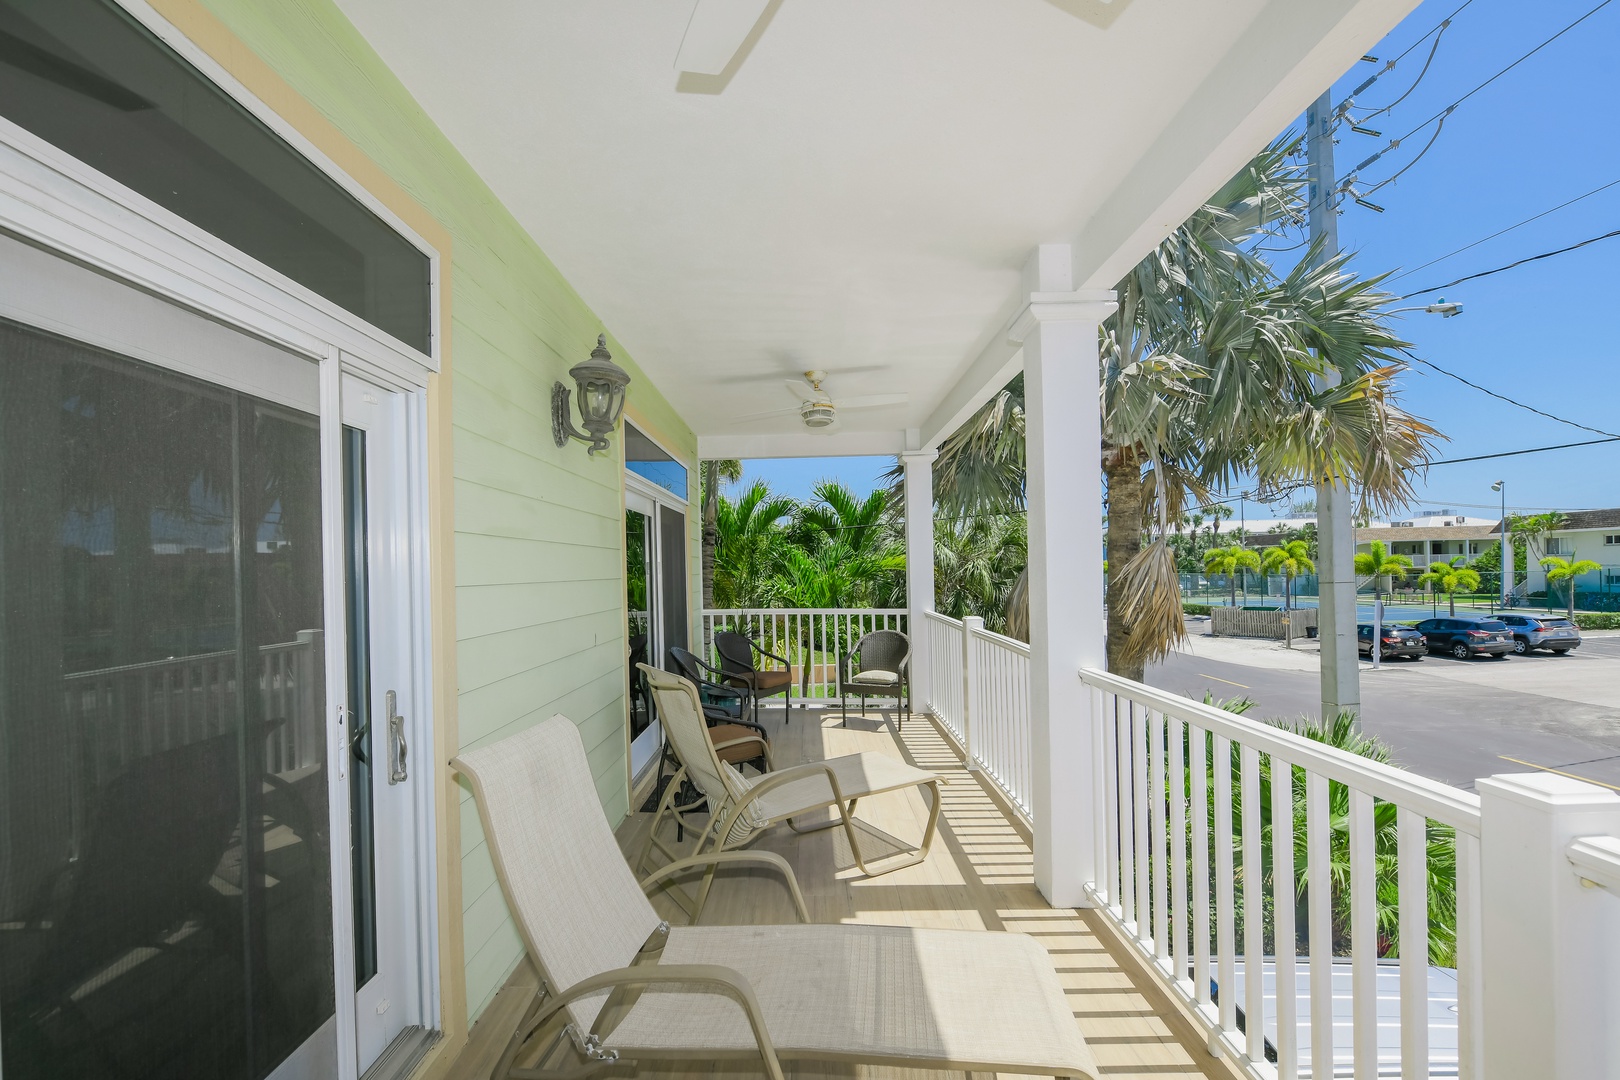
x=978, y=876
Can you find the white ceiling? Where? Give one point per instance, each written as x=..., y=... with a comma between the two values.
x=859, y=190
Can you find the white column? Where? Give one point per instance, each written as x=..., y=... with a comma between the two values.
x=919, y=468
x=1063, y=445
x=1551, y=945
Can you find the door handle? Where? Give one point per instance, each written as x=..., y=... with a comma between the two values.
x=397, y=747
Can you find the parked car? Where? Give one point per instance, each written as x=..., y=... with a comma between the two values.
x=1464, y=636
x=1398, y=641
x=1542, y=632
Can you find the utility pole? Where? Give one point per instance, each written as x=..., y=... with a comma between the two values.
x=1335, y=532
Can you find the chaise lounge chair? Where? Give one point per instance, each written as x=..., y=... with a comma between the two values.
x=741, y=807
x=619, y=986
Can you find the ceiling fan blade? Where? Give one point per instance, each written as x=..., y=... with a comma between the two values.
x=873, y=401
x=716, y=31
x=803, y=391
x=773, y=413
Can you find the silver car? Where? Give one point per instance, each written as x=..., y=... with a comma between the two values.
x=1542, y=632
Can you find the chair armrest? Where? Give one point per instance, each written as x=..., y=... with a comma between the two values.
x=780, y=777
x=727, y=981
x=779, y=659
x=708, y=687
x=769, y=858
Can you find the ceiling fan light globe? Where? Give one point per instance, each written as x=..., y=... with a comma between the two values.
x=817, y=414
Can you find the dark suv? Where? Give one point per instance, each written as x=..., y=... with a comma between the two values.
x=1398, y=641
x=1463, y=636
x=1542, y=632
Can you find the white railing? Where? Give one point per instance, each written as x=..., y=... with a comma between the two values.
x=1196, y=812
x=812, y=639
x=998, y=711
x=940, y=639
x=978, y=688
x=1597, y=860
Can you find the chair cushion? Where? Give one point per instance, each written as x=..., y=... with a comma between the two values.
x=735, y=755
x=766, y=681
x=874, y=677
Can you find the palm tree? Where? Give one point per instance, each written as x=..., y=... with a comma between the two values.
x=1290, y=559
x=749, y=543
x=1561, y=571
x=977, y=562
x=839, y=516
x=1379, y=563
x=1531, y=528
x=1451, y=578
x=711, y=474
x=1229, y=561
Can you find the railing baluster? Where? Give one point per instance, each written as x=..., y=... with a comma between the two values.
x=1319, y=890
x=1139, y=813
x=1127, y=812
x=1470, y=944
x=1197, y=743
x=1157, y=838
x=1412, y=876
x=1178, y=845
x=1110, y=786
x=1225, y=964
x=1363, y=937
x=1254, y=918
x=1283, y=899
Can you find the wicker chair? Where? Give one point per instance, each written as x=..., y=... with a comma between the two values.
x=723, y=710
x=737, y=664
x=882, y=669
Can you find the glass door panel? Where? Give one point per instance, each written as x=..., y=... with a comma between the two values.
x=165, y=882
x=641, y=555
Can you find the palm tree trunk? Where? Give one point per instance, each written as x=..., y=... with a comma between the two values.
x=709, y=477
x=1451, y=598
x=1123, y=469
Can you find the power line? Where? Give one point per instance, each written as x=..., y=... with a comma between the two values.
x=1502, y=232
x=1532, y=450
x=1504, y=71
x=1390, y=65
x=1519, y=262
x=1449, y=109
x=1510, y=401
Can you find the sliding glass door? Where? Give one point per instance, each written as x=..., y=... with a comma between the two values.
x=165, y=867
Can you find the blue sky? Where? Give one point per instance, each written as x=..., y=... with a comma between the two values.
x=1543, y=334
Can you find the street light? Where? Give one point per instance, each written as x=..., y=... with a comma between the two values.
x=1507, y=556
x=1442, y=307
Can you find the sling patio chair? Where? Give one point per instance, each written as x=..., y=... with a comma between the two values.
x=621, y=988
x=882, y=668
x=741, y=807
x=737, y=652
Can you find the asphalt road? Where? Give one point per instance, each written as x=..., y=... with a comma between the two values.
x=1453, y=720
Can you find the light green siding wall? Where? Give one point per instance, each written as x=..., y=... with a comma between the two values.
x=539, y=531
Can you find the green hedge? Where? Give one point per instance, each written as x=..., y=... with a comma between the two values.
x=1195, y=609
x=1598, y=620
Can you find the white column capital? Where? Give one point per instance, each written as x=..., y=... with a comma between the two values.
x=919, y=457
x=1082, y=305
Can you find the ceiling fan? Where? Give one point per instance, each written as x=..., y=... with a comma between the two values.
x=816, y=408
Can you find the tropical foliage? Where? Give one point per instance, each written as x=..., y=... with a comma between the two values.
x=1229, y=561
x=1564, y=572
x=1378, y=564
x=838, y=550
x=977, y=563
x=1451, y=578
x=1290, y=559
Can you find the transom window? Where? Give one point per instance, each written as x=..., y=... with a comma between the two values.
x=87, y=78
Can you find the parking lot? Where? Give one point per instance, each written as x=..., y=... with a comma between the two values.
x=1454, y=720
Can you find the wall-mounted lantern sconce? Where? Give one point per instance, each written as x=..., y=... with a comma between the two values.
x=601, y=385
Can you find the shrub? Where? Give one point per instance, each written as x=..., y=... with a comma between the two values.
x=1598, y=620
x=1195, y=609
